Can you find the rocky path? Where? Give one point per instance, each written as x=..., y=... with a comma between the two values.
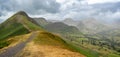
x=12, y=51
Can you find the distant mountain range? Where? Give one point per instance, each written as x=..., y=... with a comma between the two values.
x=61, y=28
x=56, y=27
x=89, y=26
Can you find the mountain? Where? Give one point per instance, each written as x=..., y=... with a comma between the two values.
x=97, y=35
x=18, y=24
x=70, y=22
x=91, y=26
x=62, y=28
x=53, y=21
x=41, y=21
x=88, y=26
x=116, y=23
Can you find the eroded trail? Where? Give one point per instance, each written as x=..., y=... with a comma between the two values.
x=12, y=51
x=33, y=50
x=48, y=45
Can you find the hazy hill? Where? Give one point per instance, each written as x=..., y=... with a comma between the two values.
x=41, y=21
x=70, y=22
x=62, y=28
x=116, y=23
x=90, y=25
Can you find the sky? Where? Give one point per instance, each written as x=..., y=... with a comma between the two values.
x=106, y=10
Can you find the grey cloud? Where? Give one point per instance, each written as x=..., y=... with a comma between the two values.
x=31, y=6
x=113, y=7
x=75, y=9
x=104, y=11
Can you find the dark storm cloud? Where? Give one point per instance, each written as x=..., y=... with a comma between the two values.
x=30, y=6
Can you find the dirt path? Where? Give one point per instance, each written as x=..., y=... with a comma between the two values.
x=33, y=50
x=12, y=51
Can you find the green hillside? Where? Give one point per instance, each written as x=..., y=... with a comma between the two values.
x=46, y=38
x=18, y=24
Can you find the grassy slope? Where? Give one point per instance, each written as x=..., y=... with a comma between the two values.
x=45, y=38
x=85, y=51
x=64, y=29
x=15, y=25
x=12, y=31
x=18, y=24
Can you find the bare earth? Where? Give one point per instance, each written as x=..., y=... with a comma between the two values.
x=33, y=50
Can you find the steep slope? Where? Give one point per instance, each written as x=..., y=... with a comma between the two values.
x=62, y=28
x=18, y=24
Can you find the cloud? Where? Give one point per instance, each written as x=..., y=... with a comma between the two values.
x=113, y=7
x=3, y=16
x=100, y=1
x=101, y=11
x=31, y=6
x=109, y=16
x=61, y=9
x=1, y=20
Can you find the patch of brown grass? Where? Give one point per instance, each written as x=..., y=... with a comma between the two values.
x=15, y=40
x=46, y=38
x=35, y=50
